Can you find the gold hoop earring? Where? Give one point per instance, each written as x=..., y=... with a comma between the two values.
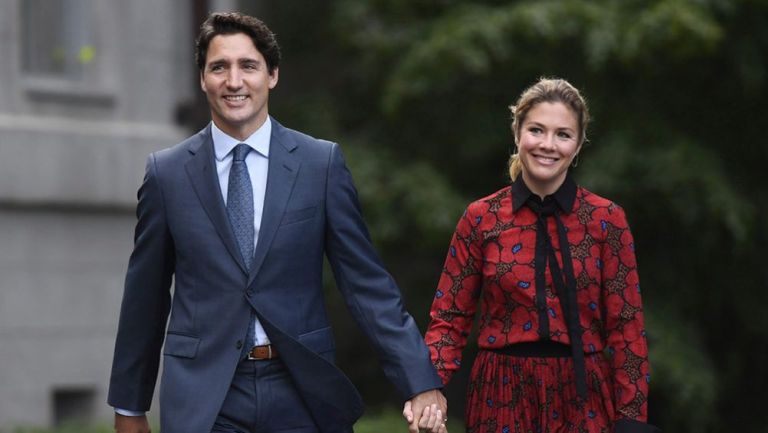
x=575, y=162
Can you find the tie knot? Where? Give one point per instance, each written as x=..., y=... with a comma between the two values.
x=241, y=150
x=545, y=208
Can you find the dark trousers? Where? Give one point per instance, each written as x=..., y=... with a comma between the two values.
x=263, y=399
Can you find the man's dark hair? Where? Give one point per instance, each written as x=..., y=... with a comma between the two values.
x=229, y=23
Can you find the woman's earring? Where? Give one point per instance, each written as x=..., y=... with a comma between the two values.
x=575, y=161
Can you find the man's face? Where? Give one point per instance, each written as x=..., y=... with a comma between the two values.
x=237, y=82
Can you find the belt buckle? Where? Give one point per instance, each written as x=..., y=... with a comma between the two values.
x=269, y=353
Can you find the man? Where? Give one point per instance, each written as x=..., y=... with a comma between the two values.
x=239, y=217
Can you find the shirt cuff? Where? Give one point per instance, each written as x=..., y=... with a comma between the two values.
x=126, y=412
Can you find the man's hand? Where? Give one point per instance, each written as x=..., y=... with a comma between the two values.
x=131, y=424
x=427, y=411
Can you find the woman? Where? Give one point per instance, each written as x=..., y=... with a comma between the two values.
x=561, y=333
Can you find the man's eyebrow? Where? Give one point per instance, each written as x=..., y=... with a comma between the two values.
x=217, y=62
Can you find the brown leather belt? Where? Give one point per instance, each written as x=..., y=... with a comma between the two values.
x=260, y=353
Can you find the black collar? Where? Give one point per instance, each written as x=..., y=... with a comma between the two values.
x=565, y=196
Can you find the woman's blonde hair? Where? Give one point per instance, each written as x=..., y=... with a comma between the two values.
x=546, y=90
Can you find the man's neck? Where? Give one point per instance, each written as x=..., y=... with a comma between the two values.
x=240, y=133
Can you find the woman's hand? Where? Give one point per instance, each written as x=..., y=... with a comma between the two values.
x=432, y=419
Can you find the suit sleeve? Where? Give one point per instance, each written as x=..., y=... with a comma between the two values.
x=370, y=293
x=146, y=301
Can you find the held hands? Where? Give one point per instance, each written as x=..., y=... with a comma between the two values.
x=426, y=411
x=131, y=424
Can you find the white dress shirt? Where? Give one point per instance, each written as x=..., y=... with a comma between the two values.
x=258, y=164
x=257, y=161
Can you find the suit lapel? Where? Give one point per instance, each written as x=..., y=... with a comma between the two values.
x=201, y=170
x=283, y=169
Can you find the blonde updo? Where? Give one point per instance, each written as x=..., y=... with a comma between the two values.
x=546, y=90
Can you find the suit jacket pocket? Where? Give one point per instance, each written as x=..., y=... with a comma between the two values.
x=319, y=341
x=183, y=346
x=295, y=216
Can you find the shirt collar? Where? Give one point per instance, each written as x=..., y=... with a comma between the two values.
x=258, y=141
x=565, y=196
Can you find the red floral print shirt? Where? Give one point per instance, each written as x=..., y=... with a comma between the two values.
x=491, y=259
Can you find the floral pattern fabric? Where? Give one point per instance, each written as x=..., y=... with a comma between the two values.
x=490, y=262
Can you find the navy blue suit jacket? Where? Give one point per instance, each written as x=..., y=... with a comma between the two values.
x=183, y=235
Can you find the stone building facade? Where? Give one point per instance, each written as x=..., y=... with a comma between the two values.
x=87, y=89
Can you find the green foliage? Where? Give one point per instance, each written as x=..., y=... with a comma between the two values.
x=401, y=198
x=690, y=378
x=685, y=177
x=471, y=38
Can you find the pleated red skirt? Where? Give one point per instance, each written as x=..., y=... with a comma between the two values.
x=513, y=394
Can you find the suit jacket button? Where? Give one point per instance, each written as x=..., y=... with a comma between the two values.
x=239, y=344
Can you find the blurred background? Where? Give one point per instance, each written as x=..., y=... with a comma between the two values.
x=416, y=92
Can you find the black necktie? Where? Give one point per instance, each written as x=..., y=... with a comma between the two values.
x=565, y=284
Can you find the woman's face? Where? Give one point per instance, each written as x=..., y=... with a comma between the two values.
x=547, y=143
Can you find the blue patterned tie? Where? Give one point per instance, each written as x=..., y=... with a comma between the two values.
x=240, y=210
x=240, y=203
